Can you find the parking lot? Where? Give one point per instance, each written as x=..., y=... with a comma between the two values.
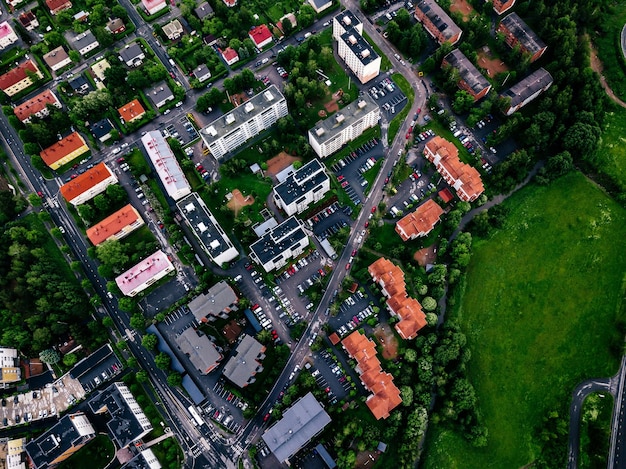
x=389, y=97
x=223, y=414
x=181, y=129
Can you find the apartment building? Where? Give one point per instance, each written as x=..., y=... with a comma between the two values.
x=306, y=186
x=343, y=22
x=17, y=79
x=231, y=131
x=332, y=133
x=245, y=362
x=202, y=353
x=88, y=185
x=10, y=371
x=420, y=222
x=518, y=34
x=217, y=303
x=526, y=90
x=437, y=22
x=37, y=106
x=65, y=150
x=116, y=226
x=470, y=79
x=358, y=55
x=148, y=271
x=166, y=165
x=280, y=244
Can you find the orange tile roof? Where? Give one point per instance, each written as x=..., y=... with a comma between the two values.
x=408, y=309
x=112, y=224
x=35, y=105
x=131, y=110
x=420, y=222
x=17, y=74
x=85, y=181
x=54, y=5
x=446, y=195
x=62, y=148
x=334, y=338
x=386, y=396
x=471, y=183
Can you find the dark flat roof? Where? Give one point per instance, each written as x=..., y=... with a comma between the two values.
x=278, y=240
x=527, y=87
x=304, y=180
x=359, y=46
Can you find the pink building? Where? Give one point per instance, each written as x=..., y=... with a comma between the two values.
x=7, y=35
x=145, y=273
x=153, y=6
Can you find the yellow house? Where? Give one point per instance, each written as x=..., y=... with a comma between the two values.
x=64, y=151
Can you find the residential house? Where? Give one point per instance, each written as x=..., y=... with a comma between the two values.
x=230, y=3
x=210, y=40
x=148, y=271
x=127, y=423
x=437, y=22
x=64, y=151
x=465, y=179
x=502, y=6
x=517, y=34
x=102, y=129
x=202, y=73
x=20, y=77
x=202, y=353
x=230, y=55
x=320, y=5
x=82, y=16
x=13, y=4
x=152, y=7
x=57, y=6
x=288, y=17
x=115, y=26
x=160, y=94
x=63, y=439
x=28, y=20
x=10, y=371
x=132, y=54
x=131, y=112
x=98, y=69
x=420, y=222
x=116, y=226
x=85, y=42
x=80, y=85
x=37, y=106
x=331, y=134
x=173, y=30
x=304, y=187
x=245, y=362
x=385, y=394
x=358, y=55
x=527, y=89
x=88, y=185
x=57, y=58
x=280, y=244
x=7, y=35
x=229, y=132
x=390, y=278
x=217, y=303
x=300, y=423
x=166, y=165
x=204, y=11
x=260, y=36
x=470, y=79
x=208, y=231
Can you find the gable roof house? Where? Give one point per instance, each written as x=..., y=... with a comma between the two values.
x=502, y=6
x=160, y=94
x=527, y=89
x=420, y=222
x=85, y=42
x=230, y=3
x=102, y=129
x=57, y=6
x=437, y=22
x=518, y=34
x=37, y=106
x=320, y=5
x=115, y=26
x=173, y=30
x=13, y=4
x=132, y=54
x=153, y=6
x=28, y=20
x=216, y=303
x=80, y=85
x=88, y=185
x=64, y=151
x=260, y=35
x=7, y=35
x=144, y=273
x=57, y=58
x=204, y=11
x=201, y=351
x=132, y=111
x=202, y=73
x=229, y=55
x=19, y=78
x=470, y=79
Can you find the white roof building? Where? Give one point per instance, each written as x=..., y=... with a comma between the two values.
x=166, y=165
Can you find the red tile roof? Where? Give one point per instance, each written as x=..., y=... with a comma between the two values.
x=35, y=105
x=420, y=222
x=55, y=5
x=446, y=195
x=17, y=74
x=85, y=181
x=112, y=224
x=229, y=54
x=260, y=34
x=131, y=110
x=62, y=148
x=385, y=395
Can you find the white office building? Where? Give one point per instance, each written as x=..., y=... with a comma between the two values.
x=280, y=244
x=166, y=165
x=332, y=133
x=232, y=130
x=304, y=187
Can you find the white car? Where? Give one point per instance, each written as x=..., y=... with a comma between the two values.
x=179, y=104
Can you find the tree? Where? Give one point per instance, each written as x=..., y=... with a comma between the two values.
x=407, y=395
x=142, y=376
x=463, y=102
x=112, y=253
x=429, y=304
x=410, y=355
x=162, y=361
x=74, y=56
x=86, y=212
x=174, y=379
x=137, y=321
x=70, y=360
x=49, y=356
x=108, y=322
x=34, y=200
x=101, y=202
x=150, y=341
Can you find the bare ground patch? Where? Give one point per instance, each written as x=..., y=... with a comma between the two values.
x=493, y=65
x=238, y=201
x=388, y=340
x=462, y=7
x=276, y=164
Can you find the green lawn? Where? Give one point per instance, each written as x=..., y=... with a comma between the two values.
x=612, y=151
x=397, y=121
x=96, y=454
x=539, y=310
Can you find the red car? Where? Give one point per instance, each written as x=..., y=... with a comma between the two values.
x=267, y=417
x=367, y=223
x=386, y=180
x=200, y=168
x=120, y=160
x=40, y=194
x=353, y=253
x=348, y=266
x=339, y=178
x=373, y=209
x=255, y=306
x=408, y=135
x=344, y=184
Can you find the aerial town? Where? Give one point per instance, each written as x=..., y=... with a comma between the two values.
x=312, y=234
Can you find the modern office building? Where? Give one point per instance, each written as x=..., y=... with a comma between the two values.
x=116, y=226
x=215, y=304
x=465, y=179
x=518, y=34
x=169, y=171
x=306, y=186
x=470, y=79
x=145, y=273
x=202, y=353
x=280, y=244
x=437, y=22
x=229, y=132
x=20, y=77
x=524, y=91
x=332, y=133
x=245, y=362
x=214, y=240
x=88, y=185
x=66, y=437
x=37, y=106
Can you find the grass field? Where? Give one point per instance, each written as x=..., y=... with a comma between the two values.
x=609, y=50
x=96, y=454
x=397, y=121
x=538, y=310
x=612, y=151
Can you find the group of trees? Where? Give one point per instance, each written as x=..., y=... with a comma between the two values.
x=115, y=256
x=190, y=51
x=103, y=204
x=409, y=37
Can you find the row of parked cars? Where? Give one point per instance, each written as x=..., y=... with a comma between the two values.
x=342, y=163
